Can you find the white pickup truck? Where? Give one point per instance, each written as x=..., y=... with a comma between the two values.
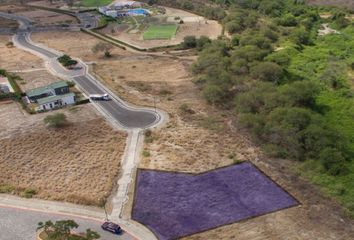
x=104, y=97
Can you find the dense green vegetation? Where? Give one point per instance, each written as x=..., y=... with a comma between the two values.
x=67, y=61
x=288, y=85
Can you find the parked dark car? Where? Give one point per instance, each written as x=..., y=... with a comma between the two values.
x=112, y=227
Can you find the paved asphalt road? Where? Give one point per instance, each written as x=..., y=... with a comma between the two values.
x=128, y=118
x=18, y=224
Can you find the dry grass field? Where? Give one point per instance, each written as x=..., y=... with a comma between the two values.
x=14, y=59
x=26, y=65
x=76, y=44
x=78, y=163
x=6, y=23
x=40, y=17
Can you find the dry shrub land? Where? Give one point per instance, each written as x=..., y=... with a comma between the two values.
x=77, y=163
x=14, y=59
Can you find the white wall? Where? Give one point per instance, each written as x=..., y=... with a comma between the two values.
x=67, y=100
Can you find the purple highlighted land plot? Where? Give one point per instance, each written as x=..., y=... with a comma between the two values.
x=174, y=205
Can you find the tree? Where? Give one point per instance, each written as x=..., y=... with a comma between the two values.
x=267, y=71
x=300, y=36
x=288, y=20
x=333, y=161
x=299, y=94
x=189, y=42
x=202, y=42
x=61, y=230
x=67, y=61
x=103, y=47
x=57, y=120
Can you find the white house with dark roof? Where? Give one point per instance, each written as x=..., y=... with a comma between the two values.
x=55, y=95
x=56, y=101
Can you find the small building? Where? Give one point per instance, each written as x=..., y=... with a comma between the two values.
x=57, y=101
x=55, y=95
x=56, y=88
x=112, y=13
x=126, y=4
x=5, y=86
x=103, y=9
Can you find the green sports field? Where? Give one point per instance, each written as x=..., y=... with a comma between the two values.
x=160, y=32
x=95, y=3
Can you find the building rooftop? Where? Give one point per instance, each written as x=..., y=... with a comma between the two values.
x=43, y=90
x=53, y=98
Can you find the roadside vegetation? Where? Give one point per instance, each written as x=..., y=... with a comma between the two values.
x=67, y=61
x=62, y=230
x=288, y=86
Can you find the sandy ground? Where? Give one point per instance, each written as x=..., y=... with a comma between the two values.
x=14, y=59
x=36, y=79
x=68, y=43
x=7, y=23
x=40, y=17
x=78, y=163
x=47, y=18
x=26, y=65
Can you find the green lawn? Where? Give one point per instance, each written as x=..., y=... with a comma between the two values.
x=160, y=32
x=95, y=3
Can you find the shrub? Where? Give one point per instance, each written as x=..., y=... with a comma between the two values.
x=186, y=109
x=57, y=120
x=67, y=61
x=267, y=71
x=146, y=153
x=333, y=161
x=6, y=188
x=189, y=42
x=28, y=193
x=300, y=36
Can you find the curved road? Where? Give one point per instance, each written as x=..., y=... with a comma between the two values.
x=116, y=108
x=126, y=116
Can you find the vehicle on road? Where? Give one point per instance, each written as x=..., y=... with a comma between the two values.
x=112, y=227
x=104, y=97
